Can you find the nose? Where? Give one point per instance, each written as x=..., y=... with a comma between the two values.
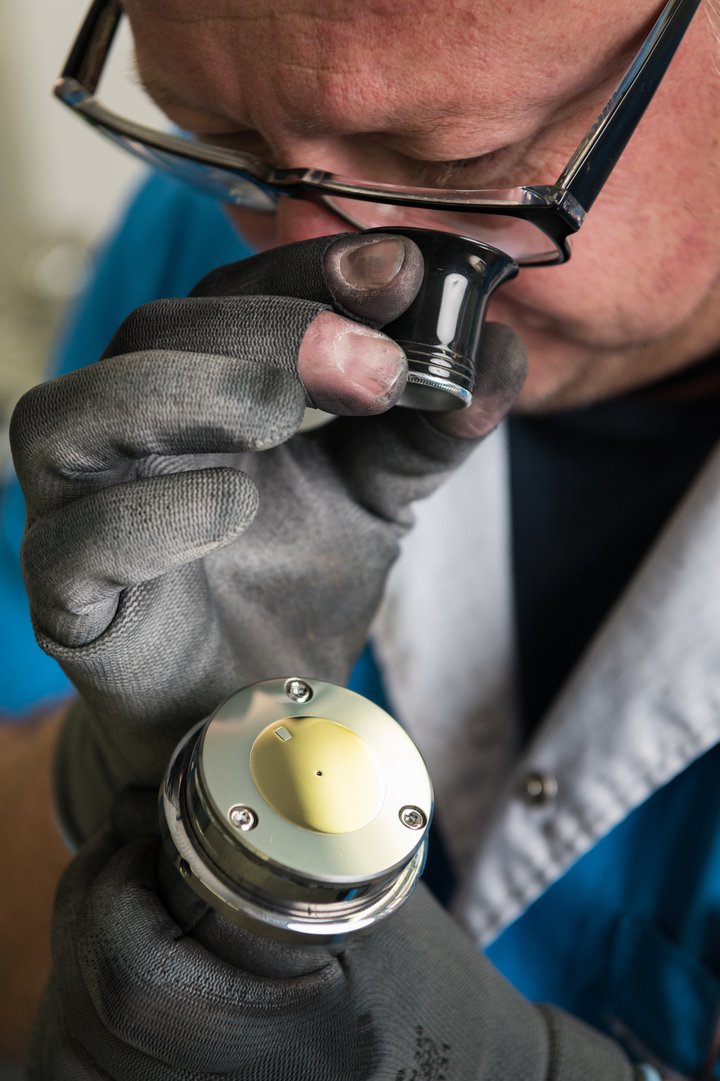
x=292, y=221
x=354, y=155
x=295, y=220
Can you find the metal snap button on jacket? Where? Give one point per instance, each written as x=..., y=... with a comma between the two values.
x=538, y=788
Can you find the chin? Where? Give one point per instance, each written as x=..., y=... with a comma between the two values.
x=544, y=392
x=564, y=371
x=563, y=375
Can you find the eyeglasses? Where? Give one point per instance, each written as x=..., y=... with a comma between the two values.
x=530, y=223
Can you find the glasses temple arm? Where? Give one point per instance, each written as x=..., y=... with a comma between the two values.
x=89, y=52
x=597, y=155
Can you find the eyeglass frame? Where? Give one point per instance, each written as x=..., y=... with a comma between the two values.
x=557, y=210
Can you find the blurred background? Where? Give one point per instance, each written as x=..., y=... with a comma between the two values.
x=61, y=185
x=62, y=188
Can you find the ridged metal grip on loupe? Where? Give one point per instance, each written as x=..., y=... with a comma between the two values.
x=441, y=331
x=299, y=810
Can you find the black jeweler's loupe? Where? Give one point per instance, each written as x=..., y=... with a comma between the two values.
x=441, y=330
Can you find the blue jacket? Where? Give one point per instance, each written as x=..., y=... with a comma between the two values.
x=627, y=934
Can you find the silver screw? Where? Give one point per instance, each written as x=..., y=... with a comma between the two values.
x=413, y=818
x=243, y=818
x=298, y=690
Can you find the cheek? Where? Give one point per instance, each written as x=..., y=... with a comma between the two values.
x=648, y=254
x=634, y=276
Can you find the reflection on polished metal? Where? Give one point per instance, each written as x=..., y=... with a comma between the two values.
x=440, y=333
x=413, y=818
x=298, y=690
x=307, y=825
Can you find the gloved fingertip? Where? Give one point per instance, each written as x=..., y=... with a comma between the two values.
x=238, y=500
x=375, y=276
x=349, y=369
x=372, y=263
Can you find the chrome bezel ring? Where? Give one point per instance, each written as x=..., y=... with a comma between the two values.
x=277, y=877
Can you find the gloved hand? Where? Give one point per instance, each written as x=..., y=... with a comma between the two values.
x=138, y=993
x=183, y=540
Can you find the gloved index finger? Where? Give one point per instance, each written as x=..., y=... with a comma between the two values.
x=365, y=276
x=99, y=425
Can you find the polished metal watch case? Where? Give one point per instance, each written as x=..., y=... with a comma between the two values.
x=300, y=810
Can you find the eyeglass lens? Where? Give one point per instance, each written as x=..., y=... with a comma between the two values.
x=515, y=236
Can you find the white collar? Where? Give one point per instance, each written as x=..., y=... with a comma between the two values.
x=643, y=702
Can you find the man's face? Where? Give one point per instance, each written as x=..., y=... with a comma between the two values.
x=478, y=94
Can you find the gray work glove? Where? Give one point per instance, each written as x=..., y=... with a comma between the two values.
x=150, y=985
x=183, y=540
